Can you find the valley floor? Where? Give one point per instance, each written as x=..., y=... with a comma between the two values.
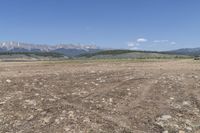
x=100, y=96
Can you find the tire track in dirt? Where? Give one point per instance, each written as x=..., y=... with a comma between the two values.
x=144, y=91
x=121, y=122
x=105, y=90
x=105, y=117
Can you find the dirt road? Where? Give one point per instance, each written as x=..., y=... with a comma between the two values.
x=100, y=96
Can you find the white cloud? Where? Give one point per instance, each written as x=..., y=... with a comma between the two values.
x=164, y=41
x=173, y=43
x=135, y=48
x=136, y=44
x=160, y=41
x=140, y=40
x=133, y=45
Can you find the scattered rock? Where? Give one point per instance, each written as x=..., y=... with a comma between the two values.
x=186, y=103
x=171, y=98
x=46, y=120
x=8, y=81
x=30, y=117
x=180, y=131
x=57, y=121
x=1, y=103
x=52, y=100
x=110, y=100
x=66, y=129
x=31, y=102
x=86, y=120
x=195, y=76
x=92, y=72
x=164, y=117
x=71, y=115
x=36, y=94
x=86, y=102
x=189, y=129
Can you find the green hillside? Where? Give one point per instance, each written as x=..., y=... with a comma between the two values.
x=121, y=54
x=42, y=54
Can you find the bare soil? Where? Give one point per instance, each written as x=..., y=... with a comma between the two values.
x=100, y=97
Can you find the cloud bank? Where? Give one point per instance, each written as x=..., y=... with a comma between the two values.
x=141, y=43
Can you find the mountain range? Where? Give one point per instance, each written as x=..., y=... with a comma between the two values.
x=66, y=49
x=186, y=51
x=72, y=50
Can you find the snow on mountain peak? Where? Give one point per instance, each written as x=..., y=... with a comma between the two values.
x=10, y=45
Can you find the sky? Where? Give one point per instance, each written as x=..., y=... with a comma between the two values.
x=127, y=24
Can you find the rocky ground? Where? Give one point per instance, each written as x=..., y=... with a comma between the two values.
x=100, y=97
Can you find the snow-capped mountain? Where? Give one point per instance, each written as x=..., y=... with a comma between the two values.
x=67, y=49
x=12, y=45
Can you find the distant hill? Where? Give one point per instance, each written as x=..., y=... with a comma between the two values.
x=185, y=51
x=125, y=54
x=30, y=56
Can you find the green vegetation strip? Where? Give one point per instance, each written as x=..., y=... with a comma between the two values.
x=43, y=54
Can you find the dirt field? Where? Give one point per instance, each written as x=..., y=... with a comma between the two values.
x=100, y=97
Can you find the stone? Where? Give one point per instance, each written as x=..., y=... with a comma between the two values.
x=186, y=103
x=31, y=102
x=165, y=132
x=110, y=100
x=57, y=121
x=30, y=117
x=8, y=81
x=71, y=114
x=171, y=98
x=165, y=117
x=188, y=128
x=66, y=129
x=46, y=120
x=181, y=131
x=86, y=120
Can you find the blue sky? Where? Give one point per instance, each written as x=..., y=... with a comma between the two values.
x=135, y=24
